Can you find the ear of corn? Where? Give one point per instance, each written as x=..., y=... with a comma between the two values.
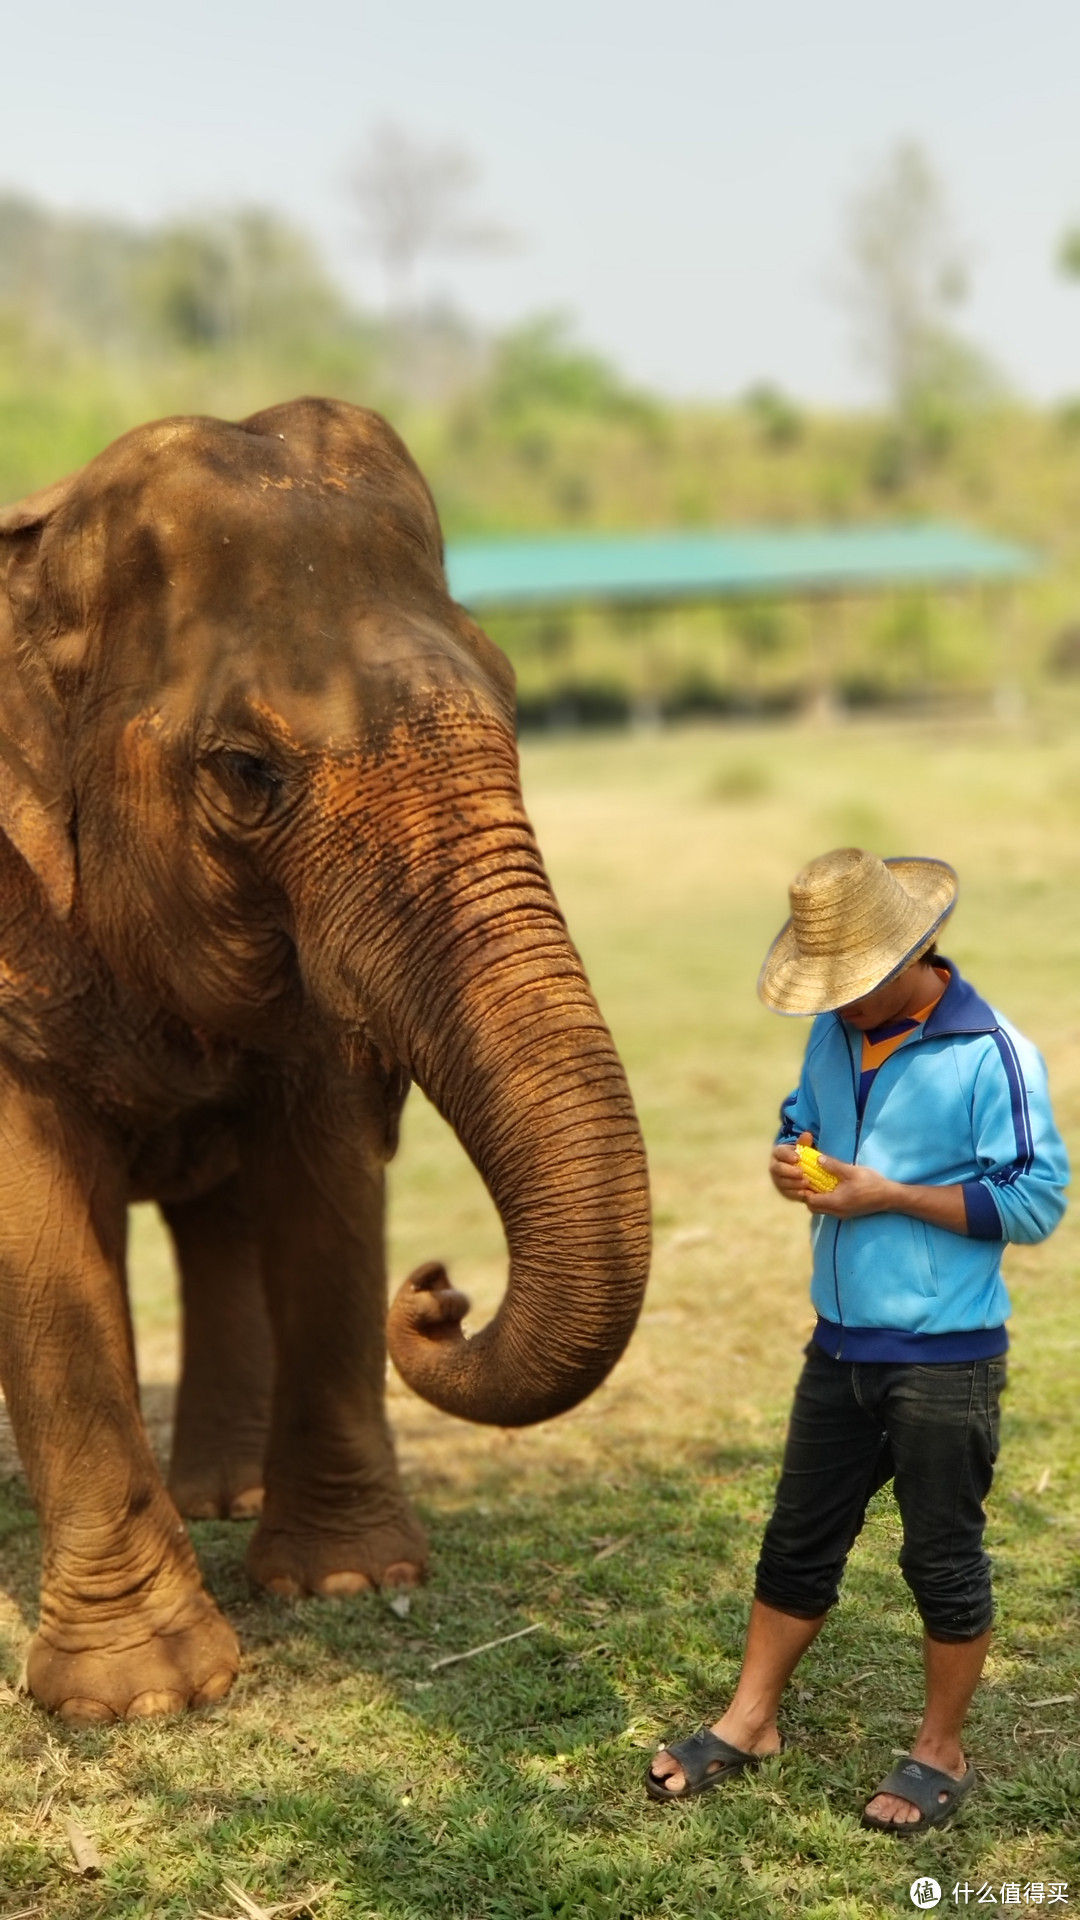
x=815, y=1173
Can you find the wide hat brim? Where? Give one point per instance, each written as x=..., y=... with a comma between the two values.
x=795, y=982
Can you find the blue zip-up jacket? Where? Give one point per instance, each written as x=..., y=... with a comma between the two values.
x=962, y=1102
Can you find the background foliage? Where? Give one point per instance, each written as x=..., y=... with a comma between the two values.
x=102, y=326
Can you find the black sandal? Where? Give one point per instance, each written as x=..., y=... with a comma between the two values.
x=706, y=1761
x=936, y=1794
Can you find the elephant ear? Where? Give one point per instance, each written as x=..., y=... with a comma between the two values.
x=35, y=797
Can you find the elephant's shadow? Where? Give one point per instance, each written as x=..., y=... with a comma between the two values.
x=520, y=1548
x=498, y=1549
x=487, y=1585
x=10, y=1468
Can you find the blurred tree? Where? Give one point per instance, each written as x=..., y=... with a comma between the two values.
x=242, y=278
x=66, y=277
x=236, y=278
x=777, y=418
x=1068, y=256
x=905, y=273
x=413, y=199
x=539, y=367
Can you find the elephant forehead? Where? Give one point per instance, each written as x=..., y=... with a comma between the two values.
x=294, y=560
x=315, y=689
x=195, y=586
x=232, y=548
x=319, y=449
x=223, y=516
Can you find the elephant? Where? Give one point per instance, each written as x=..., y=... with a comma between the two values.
x=264, y=861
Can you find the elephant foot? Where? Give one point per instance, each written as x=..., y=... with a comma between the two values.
x=210, y=1498
x=188, y=1666
x=390, y=1553
x=207, y=1484
x=218, y=1449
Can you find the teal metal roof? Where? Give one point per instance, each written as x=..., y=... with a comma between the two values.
x=547, y=569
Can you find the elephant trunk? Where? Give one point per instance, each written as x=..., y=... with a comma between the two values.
x=463, y=965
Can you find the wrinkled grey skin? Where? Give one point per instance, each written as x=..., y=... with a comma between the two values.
x=263, y=860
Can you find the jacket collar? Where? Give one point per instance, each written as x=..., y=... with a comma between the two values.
x=960, y=1009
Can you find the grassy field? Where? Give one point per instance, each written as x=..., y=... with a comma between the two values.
x=509, y=1787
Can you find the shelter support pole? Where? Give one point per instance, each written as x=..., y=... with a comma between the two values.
x=1002, y=622
x=828, y=631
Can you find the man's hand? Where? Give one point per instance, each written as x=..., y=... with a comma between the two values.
x=863, y=1190
x=785, y=1169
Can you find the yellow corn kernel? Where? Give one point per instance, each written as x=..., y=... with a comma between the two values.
x=815, y=1173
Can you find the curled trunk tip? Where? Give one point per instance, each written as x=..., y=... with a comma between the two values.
x=524, y=1366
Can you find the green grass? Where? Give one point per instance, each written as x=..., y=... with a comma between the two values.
x=509, y=1787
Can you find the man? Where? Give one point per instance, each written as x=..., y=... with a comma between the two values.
x=933, y=1119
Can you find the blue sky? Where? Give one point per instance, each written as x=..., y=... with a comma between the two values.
x=677, y=171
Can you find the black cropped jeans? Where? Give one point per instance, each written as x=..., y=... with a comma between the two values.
x=930, y=1429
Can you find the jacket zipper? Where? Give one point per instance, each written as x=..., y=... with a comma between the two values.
x=854, y=1158
x=859, y=1118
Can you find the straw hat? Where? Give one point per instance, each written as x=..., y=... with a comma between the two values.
x=856, y=921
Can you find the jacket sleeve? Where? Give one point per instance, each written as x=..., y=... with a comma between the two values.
x=1020, y=1195
x=799, y=1112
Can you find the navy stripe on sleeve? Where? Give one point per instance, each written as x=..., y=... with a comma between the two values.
x=983, y=1218
x=1021, y=1116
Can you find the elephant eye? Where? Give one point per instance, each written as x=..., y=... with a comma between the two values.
x=249, y=767
x=249, y=782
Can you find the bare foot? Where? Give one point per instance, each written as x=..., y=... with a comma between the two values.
x=762, y=1741
x=888, y=1807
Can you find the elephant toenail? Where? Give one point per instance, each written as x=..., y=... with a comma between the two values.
x=213, y=1689
x=337, y=1586
x=403, y=1573
x=247, y=1505
x=284, y=1586
x=85, y=1713
x=160, y=1701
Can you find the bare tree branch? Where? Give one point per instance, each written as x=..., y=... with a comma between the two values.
x=413, y=200
x=906, y=272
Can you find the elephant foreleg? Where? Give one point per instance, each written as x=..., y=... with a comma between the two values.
x=126, y=1628
x=223, y=1402
x=335, y=1519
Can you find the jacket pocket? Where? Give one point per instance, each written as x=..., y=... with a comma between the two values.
x=923, y=1259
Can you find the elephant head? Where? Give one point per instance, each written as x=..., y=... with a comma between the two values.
x=264, y=767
